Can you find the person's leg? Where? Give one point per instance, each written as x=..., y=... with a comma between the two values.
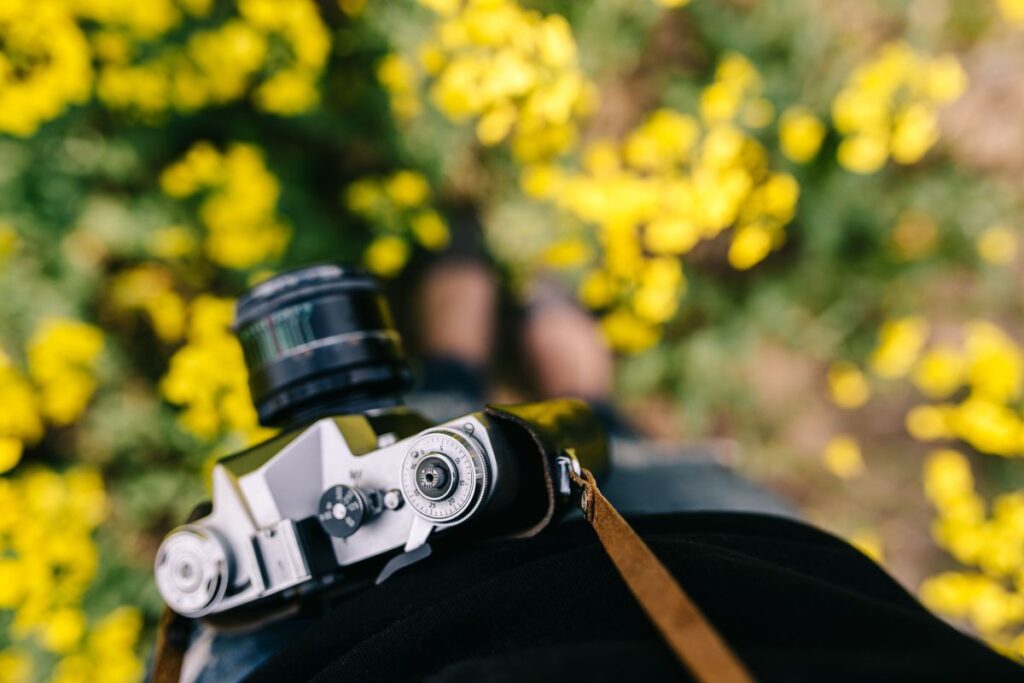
x=570, y=358
x=455, y=317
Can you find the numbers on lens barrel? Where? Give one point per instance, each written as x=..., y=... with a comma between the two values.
x=445, y=475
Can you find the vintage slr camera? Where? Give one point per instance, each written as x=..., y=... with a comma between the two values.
x=355, y=484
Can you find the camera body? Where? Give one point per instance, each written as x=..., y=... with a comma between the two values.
x=287, y=515
x=354, y=477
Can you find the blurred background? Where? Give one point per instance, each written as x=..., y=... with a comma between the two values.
x=797, y=223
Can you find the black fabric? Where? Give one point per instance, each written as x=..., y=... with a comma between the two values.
x=794, y=602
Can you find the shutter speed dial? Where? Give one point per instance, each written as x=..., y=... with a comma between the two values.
x=445, y=475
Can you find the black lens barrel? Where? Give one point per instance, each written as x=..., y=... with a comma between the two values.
x=319, y=340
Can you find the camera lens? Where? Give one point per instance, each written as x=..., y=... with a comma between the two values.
x=319, y=340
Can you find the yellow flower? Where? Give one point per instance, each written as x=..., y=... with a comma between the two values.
x=567, y=253
x=44, y=64
x=671, y=235
x=847, y=385
x=288, y=92
x=172, y=242
x=8, y=240
x=597, y=289
x=627, y=332
x=21, y=418
x=10, y=453
x=927, y=423
x=863, y=153
x=149, y=288
x=998, y=244
x=946, y=80
x=915, y=131
x=512, y=70
x=750, y=245
x=540, y=181
x=207, y=376
x=62, y=358
x=430, y=230
x=940, y=372
x=800, y=134
x=363, y=195
x=995, y=362
x=1013, y=10
x=843, y=458
x=386, y=255
x=869, y=543
x=947, y=476
x=407, y=188
x=15, y=666
x=243, y=229
x=888, y=107
x=64, y=629
x=899, y=344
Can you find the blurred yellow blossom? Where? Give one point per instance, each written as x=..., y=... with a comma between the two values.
x=939, y=372
x=626, y=332
x=277, y=50
x=567, y=253
x=386, y=255
x=10, y=453
x=899, y=344
x=928, y=423
x=21, y=419
x=8, y=240
x=208, y=377
x=998, y=244
x=15, y=666
x=843, y=458
x=407, y=188
x=869, y=543
x=49, y=560
x=63, y=630
x=1013, y=10
x=512, y=70
x=800, y=134
x=990, y=596
x=44, y=64
x=239, y=206
x=847, y=385
x=995, y=362
x=429, y=229
x=172, y=242
x=887, y=107
x=150, y=288
x=397, y=208
x=670, y=183
x=399, y=77
x=62, y=360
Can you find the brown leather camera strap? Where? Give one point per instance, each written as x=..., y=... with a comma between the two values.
x=689, y=634
x=171, y=643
